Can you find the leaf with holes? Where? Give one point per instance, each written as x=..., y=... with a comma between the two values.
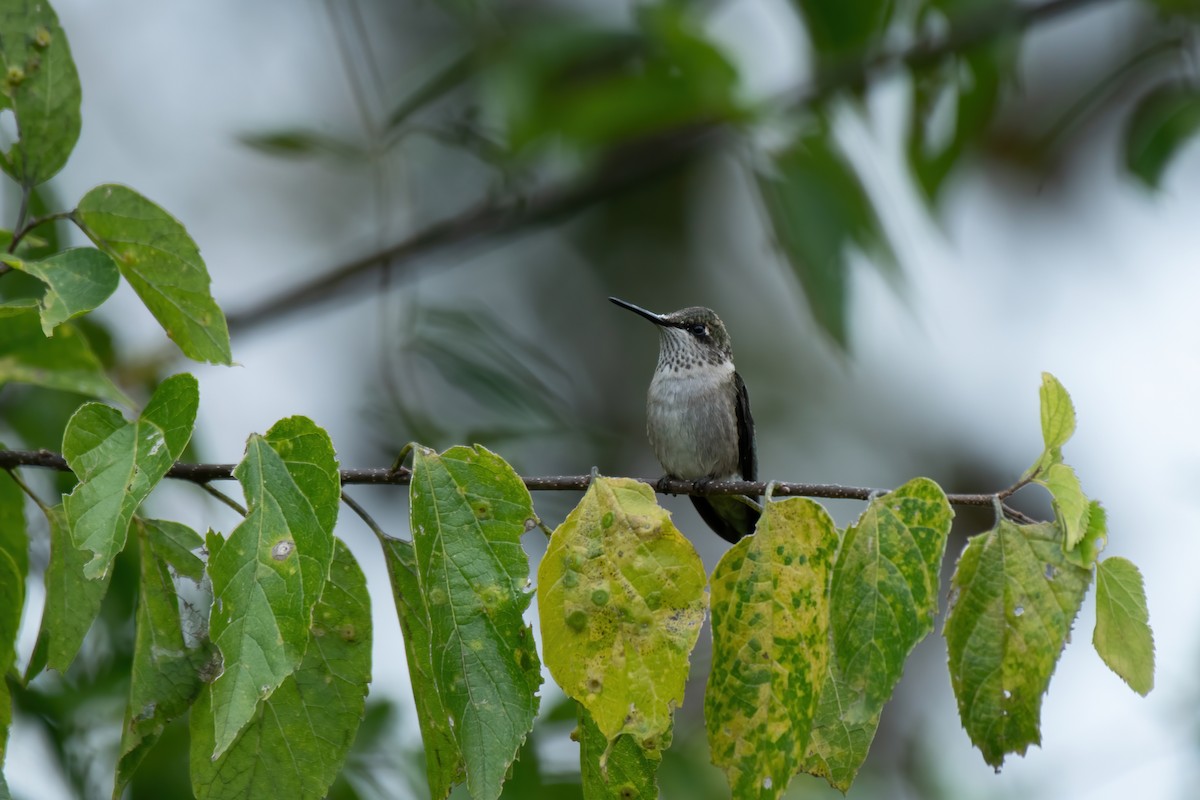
x=270, y=572
x=770, y=621
x=41, y=87
x=297, y=741
x=1017, y=597
x=1123, y=637
x=621, y=597
x=118, y=463
x=163, y=265
x=469, y=509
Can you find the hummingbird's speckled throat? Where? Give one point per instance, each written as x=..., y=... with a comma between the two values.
x=698, y=413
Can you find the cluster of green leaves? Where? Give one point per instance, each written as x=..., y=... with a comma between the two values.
x=261, y=636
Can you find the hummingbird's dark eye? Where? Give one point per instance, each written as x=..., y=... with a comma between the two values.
x=698, y=330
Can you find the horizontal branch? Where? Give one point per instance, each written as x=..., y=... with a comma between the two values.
x=205, y=473
x=640, y=164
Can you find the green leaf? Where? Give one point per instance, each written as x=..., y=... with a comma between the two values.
x=443, y=762
x=620, y=771
x=77, y=280
x=1058, y=424
x=72, y=601
x=469, y=509
x=883, y=602
x=1071, y=506
x=64, y=362
x=14, y=564
x=163, y=265
x=770, y=618
x=1058, y=413
x=118, y=463
x=1017, y=597
x=845, y=28
x=1094, y=538
x=168, y=658
x=41, y=87
x=819, y=211
x=1163, y=122
x=270, y=572
x=297, y=741
x=621, y=599
x=1123, y=637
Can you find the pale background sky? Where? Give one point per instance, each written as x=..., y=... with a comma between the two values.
x=1096, y=282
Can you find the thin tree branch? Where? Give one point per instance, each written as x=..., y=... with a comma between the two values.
x=665, y=154
x=204, y=473
x=224, y=498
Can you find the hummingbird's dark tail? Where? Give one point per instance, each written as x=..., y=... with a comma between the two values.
x=730, y=516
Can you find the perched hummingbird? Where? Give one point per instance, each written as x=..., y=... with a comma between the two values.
x=698, y=414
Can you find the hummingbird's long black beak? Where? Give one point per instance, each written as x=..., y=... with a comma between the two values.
x=657, y=319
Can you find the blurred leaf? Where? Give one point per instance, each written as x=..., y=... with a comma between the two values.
x=119, y=463
x=1164, y=121
x=844, y=28
x=77, y=280
x=163, y=265
x=270, y=572
x=1123, y=637
x=167, y=663
x=954, y=101
x=72, y=601
x=443, y=762
x=469, y=509
x=298, y=739
x=594, y=88
x=1189, y=8
x=770, y=622
x=441, y=83
x=1016, y=599
x=64, y=362
x=883, y=600
x=620, y=772
x=297, y=143
x=819, y=210
x=41, y=87
x=621, y=598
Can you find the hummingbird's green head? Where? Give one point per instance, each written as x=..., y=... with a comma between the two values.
x=688, y=337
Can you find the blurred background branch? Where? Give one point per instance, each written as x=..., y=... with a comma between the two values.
x=631, y=165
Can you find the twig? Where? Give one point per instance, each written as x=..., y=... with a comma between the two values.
x=224, y=498
x=508, y=216
x=366, y=517
x=204, y=473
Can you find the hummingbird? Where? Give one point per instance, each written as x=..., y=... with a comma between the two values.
x=698, y=414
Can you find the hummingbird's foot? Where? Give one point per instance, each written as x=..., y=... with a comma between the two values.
x=660, y=485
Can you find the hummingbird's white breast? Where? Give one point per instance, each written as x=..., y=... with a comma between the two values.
x=691, y=418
